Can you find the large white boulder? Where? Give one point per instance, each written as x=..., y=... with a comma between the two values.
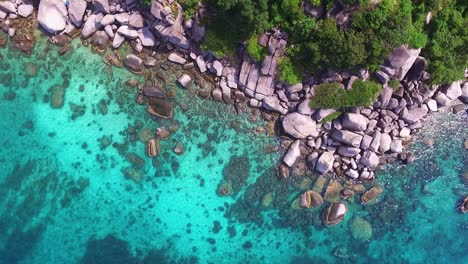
x=299, y=126
x=76, y=10
x=52, y=15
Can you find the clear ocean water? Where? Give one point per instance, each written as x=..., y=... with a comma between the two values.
x=65, y=199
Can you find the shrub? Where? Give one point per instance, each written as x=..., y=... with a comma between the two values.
x=331, y=117
x=290, y=72
x=254, y=49
x=394, y=84
x=331, y=95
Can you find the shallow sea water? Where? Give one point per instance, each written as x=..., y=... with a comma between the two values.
x=64, y=197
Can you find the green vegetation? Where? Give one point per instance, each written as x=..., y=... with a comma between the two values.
x=254, y=49
x=447, y=51
x=372, y=32
x=331, y=117
x=394, y=84
x=331, y=95
x=289, y=72
x=190, y=7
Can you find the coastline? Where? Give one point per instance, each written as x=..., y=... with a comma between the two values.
x=351, y=147
x=292, y=225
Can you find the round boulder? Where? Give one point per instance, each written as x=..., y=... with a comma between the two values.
x=299, y=126
x=335, y=213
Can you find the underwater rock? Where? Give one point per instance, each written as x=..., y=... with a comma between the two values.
x=133, y=174
x=104, y=142
x=134, y=63
x=371, y=194
x=160, y=107
x=464, y=206
x=283, y=171
x=135, y=160
x=310, y=199
x=145, y=135
x=179, y=149
x=346, y=193
x=153, y=91
x=361, y=229
x=57, y=95
x=77, y=110
x=335, y=213
x=224, y=188
x=162, y=133
x=267, y=199
x=30, y=69
x=185, y=81
x=332, y=193
x=152, y=148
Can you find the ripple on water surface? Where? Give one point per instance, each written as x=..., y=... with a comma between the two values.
x=65, y=198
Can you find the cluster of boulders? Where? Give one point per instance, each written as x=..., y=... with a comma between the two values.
x=10, y=10
x=353, y=144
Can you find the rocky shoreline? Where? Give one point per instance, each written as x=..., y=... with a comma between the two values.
x=347, y=149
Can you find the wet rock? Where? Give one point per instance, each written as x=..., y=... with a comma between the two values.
x=160, y=107
x=354, y=122
x=458, y=108
x=333, y=190
x=299, y=126
x=52, y=15
x=153, y=91
x=361, y=229
x=185, y=81
x=30, y=69
x=162, y=133
x=152, y=148
x=134, y=63
x=224, y=188
x=113, y=60
x=335, y=213
x=325, y=162
x=145, y=135
x=57, y=96
x=179, y=149
x=309, y=199
x=134, y=174
x=282, y=171
x=294, y=152
x=464, y=206
x=371, y=194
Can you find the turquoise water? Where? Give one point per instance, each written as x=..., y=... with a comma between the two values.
x=65, y=197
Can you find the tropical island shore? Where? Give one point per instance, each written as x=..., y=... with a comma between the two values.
x=341, y=117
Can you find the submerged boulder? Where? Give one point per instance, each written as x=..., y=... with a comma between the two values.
x=335, y=213
x=371, y=194
x=361, y=229
x=160, y=107
x=309, y=199
x=134, y=63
